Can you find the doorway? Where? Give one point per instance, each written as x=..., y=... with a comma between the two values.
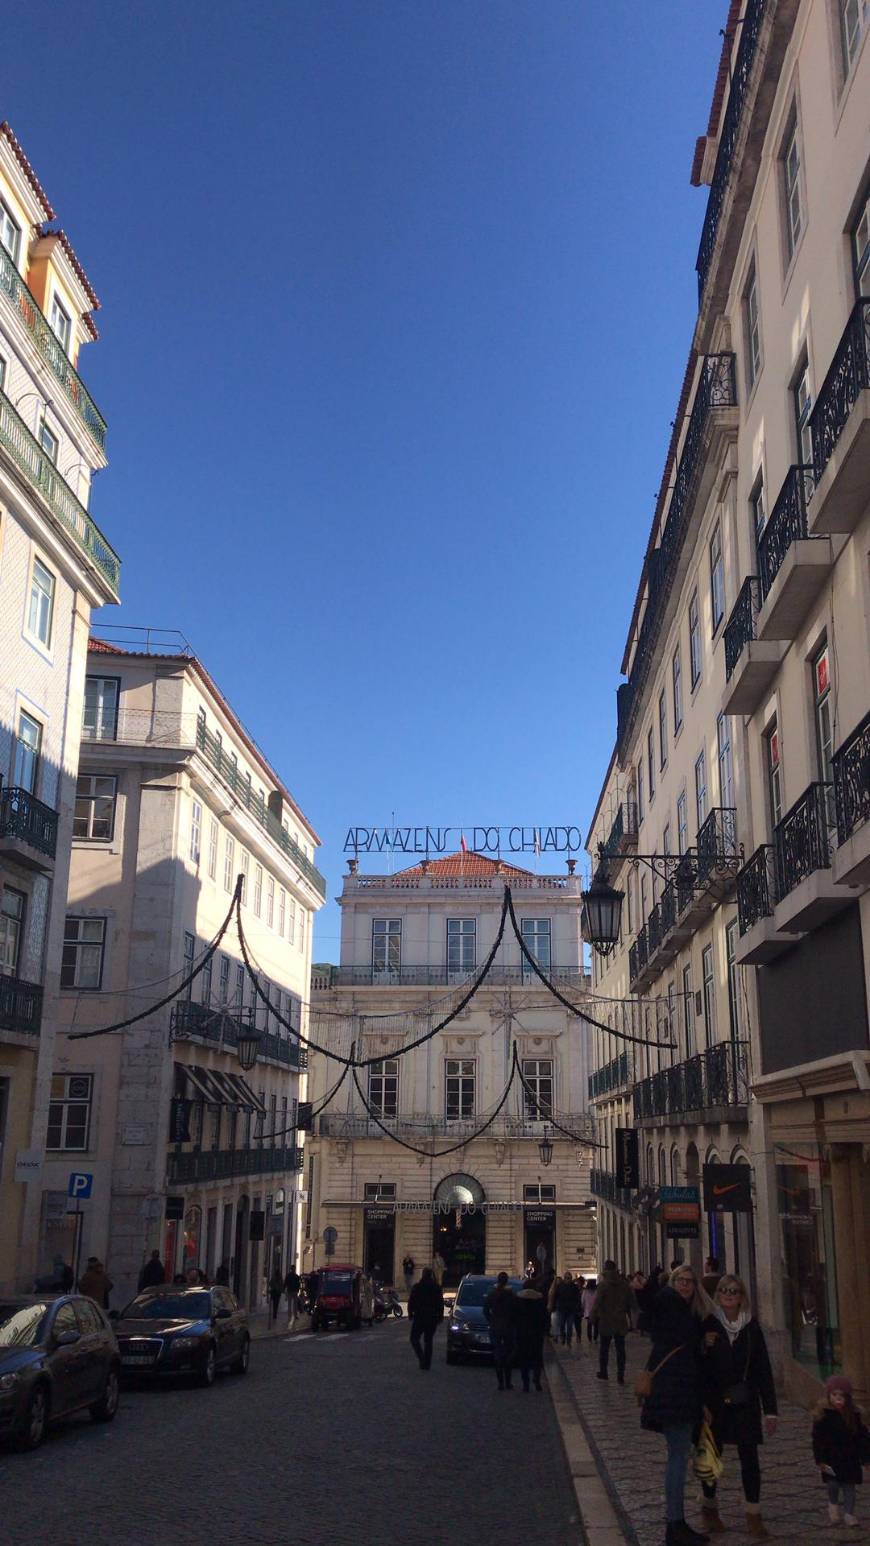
x=459, y=1227
x=380, y=1244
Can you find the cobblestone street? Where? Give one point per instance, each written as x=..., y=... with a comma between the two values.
x=632, y=1462
x=330, y=1438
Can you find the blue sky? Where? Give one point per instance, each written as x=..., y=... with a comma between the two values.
x=397, y=297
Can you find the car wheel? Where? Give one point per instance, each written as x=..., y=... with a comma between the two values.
x=32, y=1431
x=208, y=1367
x=241, y=1364
x=104, y=1410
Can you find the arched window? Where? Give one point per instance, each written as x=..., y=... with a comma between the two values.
x=675, y=1166
x=458, y=1190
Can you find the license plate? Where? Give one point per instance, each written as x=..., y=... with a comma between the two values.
x=136, y=1358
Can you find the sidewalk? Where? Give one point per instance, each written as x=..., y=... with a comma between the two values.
x=631, y=1462
x=261, y=1326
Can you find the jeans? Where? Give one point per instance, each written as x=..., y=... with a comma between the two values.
x=834, y=1488
x=424, y=1353
x=531, y=1363
x=591, y=1330
x=503, y=1352
x=292, y=1308
x=604, y=1354
x=750, y=1474
x=566, y=1326
x=679, y=1441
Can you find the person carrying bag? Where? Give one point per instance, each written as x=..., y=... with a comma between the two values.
x=670, y=1388
x=738, y=1386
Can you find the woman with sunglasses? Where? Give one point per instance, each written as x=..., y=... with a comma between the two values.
x=739, y=1386
x=675, y=1319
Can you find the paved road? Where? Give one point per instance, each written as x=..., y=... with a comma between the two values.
x=330, y=1440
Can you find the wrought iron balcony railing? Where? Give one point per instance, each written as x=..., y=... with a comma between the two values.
x=802, y=838
x=49, y=346
x=852, y=781
x=441, y=975
x=848, y=376
x=221, y=1164
x=220, y=1026
x=23, y=816
x=653, y=931
x=638, y=955
x=787, y=524
x=740, y=627
x=668, y=907
x=623, y=831
x=753, y=15
x=602, y=1183
x=40, y=471
x=756, y=888
x=713, y=1078
x=717, y=847
x=20, y=1005
x=423, y=1125
x=613, y=1076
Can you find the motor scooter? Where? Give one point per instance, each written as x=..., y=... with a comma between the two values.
x=387, y=1303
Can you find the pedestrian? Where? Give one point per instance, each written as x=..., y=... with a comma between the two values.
x=612, y=1309
x=580, y=1282
x=500, y=1310
x=179, y=1280
x=312, y=1289
x=59, y=1280
x=530, y=1310
x=222, y=1276
x=276, y=1289
x=408, y=1270
x=567, y=1301
x=292, y=1285
x=638, y=1282
x=587, y=1301
x=712, y=1274
x=439, y=1267
x=671, y=1388
x=738, y=1384
x=426, y=1312
x=153, y=1273
x=95, y=1282
x=841, y=1446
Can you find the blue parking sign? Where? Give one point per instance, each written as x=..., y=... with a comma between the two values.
x=79, y=1184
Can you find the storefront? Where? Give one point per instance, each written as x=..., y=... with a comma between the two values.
x=539, y=1228
x=459, y=1227
x=808, y=1258
x=379, y=1253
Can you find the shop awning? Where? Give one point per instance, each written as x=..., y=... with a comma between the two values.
x=217, y=1088
x=201, y=1085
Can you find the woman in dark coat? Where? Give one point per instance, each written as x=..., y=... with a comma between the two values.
x=530, y=1316
x=674, y=1319
x=426, y=1312
x=738, y=1386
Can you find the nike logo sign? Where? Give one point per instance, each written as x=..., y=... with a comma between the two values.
x=719, y=1191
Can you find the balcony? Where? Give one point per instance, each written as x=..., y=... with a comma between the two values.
x=20, y=1006
x=622, y=837
x=697, y=883
x=750, y=663
x=792, y=565
x=806, y=891
x=419, y=1126
x=760, y=941
x=851, y=762
x=224, y=1164
x=614, y=1076
x=28, y=830
x=443, y=975
x=41, y=474
x=198, y=1022
x=602, y=1183
x=717, y=852
x=712, y=1086
x=840, y=427
x=731, y=119
x=12, y=285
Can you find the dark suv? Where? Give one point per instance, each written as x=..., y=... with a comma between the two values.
x=467, y=1329
x=184, y=1331
x=57, y=1356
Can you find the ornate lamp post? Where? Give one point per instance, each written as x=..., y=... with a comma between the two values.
x=545, y=1148
x=602, y=911
x=248, y=1038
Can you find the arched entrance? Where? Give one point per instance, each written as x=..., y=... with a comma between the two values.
x=459, y=1226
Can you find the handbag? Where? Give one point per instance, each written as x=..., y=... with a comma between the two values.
x=643, y=1385
x=741, y=1393
x=707, y=1465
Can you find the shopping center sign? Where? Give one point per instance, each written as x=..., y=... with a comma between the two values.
x=477, y=839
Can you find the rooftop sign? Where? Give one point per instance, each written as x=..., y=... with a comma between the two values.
x=481, y=840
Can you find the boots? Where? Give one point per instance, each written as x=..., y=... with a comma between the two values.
x=835, y=1514
x=710, y=1518
x=755, y=1525
x=678, y=1533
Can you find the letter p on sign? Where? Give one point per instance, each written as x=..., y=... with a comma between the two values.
x=79, y=1184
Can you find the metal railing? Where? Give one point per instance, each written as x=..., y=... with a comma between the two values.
x=424, y=1124
x=787, y=524
x=638, y=955
x=20, y=1005
x=429, y=882
x=851, y=764
x=438, y=976
x=41, y=473
x=848, y=376
x=220, y=1026
x=740, y=628
x=611, y=1077
x=756, y=888
x=717, y=843
x=51, y=349
x=802, y=838
x=752, y=18
x=602, y=1183
x=713, y=1078
x=221, y=1164
x=623, y=829
x=23, y=816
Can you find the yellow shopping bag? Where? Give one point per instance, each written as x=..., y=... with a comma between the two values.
x=708, y=1465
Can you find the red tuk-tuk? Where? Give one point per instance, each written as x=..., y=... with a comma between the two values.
x=344, y=1295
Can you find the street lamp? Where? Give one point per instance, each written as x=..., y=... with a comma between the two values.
x=545, y=1148
x=602, y=910
x=248, y=1038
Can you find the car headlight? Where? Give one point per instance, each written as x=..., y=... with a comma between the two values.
x=456, y=1326
x=183, y=1344
x=8, y=1381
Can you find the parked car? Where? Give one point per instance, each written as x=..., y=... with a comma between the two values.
x=57, y=1356
x=344, y=1295
x=171, y=1331
x=467, y=1331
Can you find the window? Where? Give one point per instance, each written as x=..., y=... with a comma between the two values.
x=538, y=1086
x=663, y=729
x=291, y=926
x=534, y=1191
x=224, y=982
x=726, y=762
x=11, y=929
x=694, y=640
x=69, y=1112
x=458, y=1087
x=735, y=1008
x=793, y=195
x=717, y=577
x=803, y=406
x=709, y=994
x=82, y=958
x=2, y=372
x=379, y=1191
x=28, y=744
x=100, y=722
x=644, y=901
x=536, y=937
x=853, y=20
x=195, y=831
x=688, y=1012
x=752, y=326
x=49, y=442
x=650, y=764
x=258, y=889
x=270, y=901
x=302, y=929
x=94, y=817
x=229, y=862
x=212, y=849
x=205, y=982
x=243, y=871
x=677, y=680
x=682, y=822
x=701, y=789
x=639, y=786
x=10, y=233
x=629, y=897
x=384, y=1087
x=824, y=728
x=774, y=773
x=386, y=944
x=189, y=955
x=666, y=839
x=282, y=911
x=758, y=508
x=239, y=993
x=461, y=945
x=41, y=608
x=861, y=250
x=61, y=325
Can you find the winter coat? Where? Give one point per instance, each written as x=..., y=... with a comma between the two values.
x=614, y=1301
x=530, y=1308
x=499, y=1307
x=152, y=1275
x=96, y=1283
x=292, y=1282
x=843, y=1448
x=568, y=1298
x=677, y=1393
x=727, y=1364
x=426, y=1305
x=587, y=1300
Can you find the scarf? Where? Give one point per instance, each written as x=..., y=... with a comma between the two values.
x=734, y=1327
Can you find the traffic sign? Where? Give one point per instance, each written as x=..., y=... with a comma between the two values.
x=80, y=1184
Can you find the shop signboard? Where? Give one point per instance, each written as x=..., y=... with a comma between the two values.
x=377, y=1213
x=541, y=1216
x=627, y=1158
x=680, y=1208
x=727, y=1189
x=682, y=1231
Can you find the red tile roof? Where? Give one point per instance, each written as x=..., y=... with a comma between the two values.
x=100, y=647
x=36, y=185
x=70, y=252
x=722, y=77
x=465, y=864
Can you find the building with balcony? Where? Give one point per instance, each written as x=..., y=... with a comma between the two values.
x=398, y=1164
x=55, y=566
x=189, y=1152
